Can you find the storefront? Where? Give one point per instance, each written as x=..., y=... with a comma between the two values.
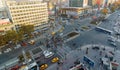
x=75, y=11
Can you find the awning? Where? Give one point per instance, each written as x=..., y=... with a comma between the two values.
x=115, y=64
x=4, y=21
x=94, y=17
x=1, y=30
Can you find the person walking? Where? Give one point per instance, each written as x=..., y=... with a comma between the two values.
x=87, y=50
x=100, y=53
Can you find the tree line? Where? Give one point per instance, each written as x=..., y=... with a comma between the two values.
x=12, y=36
x=112, y=7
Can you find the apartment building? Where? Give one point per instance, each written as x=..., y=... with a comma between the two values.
x=28, y=12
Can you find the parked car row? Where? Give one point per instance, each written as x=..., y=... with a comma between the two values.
x=9, y=49
x=31, y=42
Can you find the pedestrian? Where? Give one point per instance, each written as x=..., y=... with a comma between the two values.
x=87, y=50
x=57, y=67
x=74, y=44
x=65, y=56
x=100, y=53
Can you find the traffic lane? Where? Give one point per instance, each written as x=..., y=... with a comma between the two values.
x=82, y=22
x=90, y=37
x=77, y=24
x=110, y=21
x=108, y=24
x=15, y=53
x=67, y=29
x=85, y=23
x=42, y=60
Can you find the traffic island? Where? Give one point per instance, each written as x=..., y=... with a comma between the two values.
x=71, y=36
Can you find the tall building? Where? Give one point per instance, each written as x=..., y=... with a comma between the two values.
x=90, y=2
x=78, y=3
x=28, y=12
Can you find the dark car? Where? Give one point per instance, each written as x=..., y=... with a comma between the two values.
x=95, y=48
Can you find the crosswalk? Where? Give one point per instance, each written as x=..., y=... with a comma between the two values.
x=63, y=51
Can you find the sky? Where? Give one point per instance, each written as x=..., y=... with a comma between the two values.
x=1, y=4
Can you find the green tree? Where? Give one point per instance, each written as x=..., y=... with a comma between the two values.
x=112, y=9
x=10, y=35
x=2, y=40
x=104, y=11
x=21, y=58
x=26, y=29
x=13, y=36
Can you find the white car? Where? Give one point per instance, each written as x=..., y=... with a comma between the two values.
x=18, y=46
x=61, y=34
x=0, y=52
x=118, y=14
x=48, y=54
x=7, y=50
x=113, y=43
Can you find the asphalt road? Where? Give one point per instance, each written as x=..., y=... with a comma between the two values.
x=110, y=21
x=86, y=37
x=92, y=36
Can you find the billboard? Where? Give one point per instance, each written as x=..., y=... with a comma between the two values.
x=89, y=61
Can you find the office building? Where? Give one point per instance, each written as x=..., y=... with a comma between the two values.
x=28, y=12
x=78, y=3
x=90, y=2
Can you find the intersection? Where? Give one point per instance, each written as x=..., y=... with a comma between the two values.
x=90, y=36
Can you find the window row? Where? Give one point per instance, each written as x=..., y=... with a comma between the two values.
x=29, y=19
x=24, y=3
x=32, y=12
x=16, y=11
x=29, y=15
x=27, y=6
x=14, y=8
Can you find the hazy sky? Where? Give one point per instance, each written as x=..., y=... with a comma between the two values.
x=1, y=3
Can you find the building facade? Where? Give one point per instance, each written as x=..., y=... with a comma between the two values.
x=90, y=2
x=74, y=12
x=28, y=12
x=78, y=3
x=5, y=25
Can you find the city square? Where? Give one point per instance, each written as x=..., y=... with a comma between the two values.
x=60, y=35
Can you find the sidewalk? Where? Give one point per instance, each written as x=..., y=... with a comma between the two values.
x=9, y=63
x=93, y=54
x=57, y=28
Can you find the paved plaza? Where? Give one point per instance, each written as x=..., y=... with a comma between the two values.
x=93, y=54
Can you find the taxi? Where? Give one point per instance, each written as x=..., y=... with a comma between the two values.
x=55, y=59
x=43, y=66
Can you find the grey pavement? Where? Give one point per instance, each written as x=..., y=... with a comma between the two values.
x=92, y=37
x=110, y=21
x=72, y=56
x=15, y=53
x=86, y=37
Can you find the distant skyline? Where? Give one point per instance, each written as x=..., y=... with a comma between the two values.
x=1, y=5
